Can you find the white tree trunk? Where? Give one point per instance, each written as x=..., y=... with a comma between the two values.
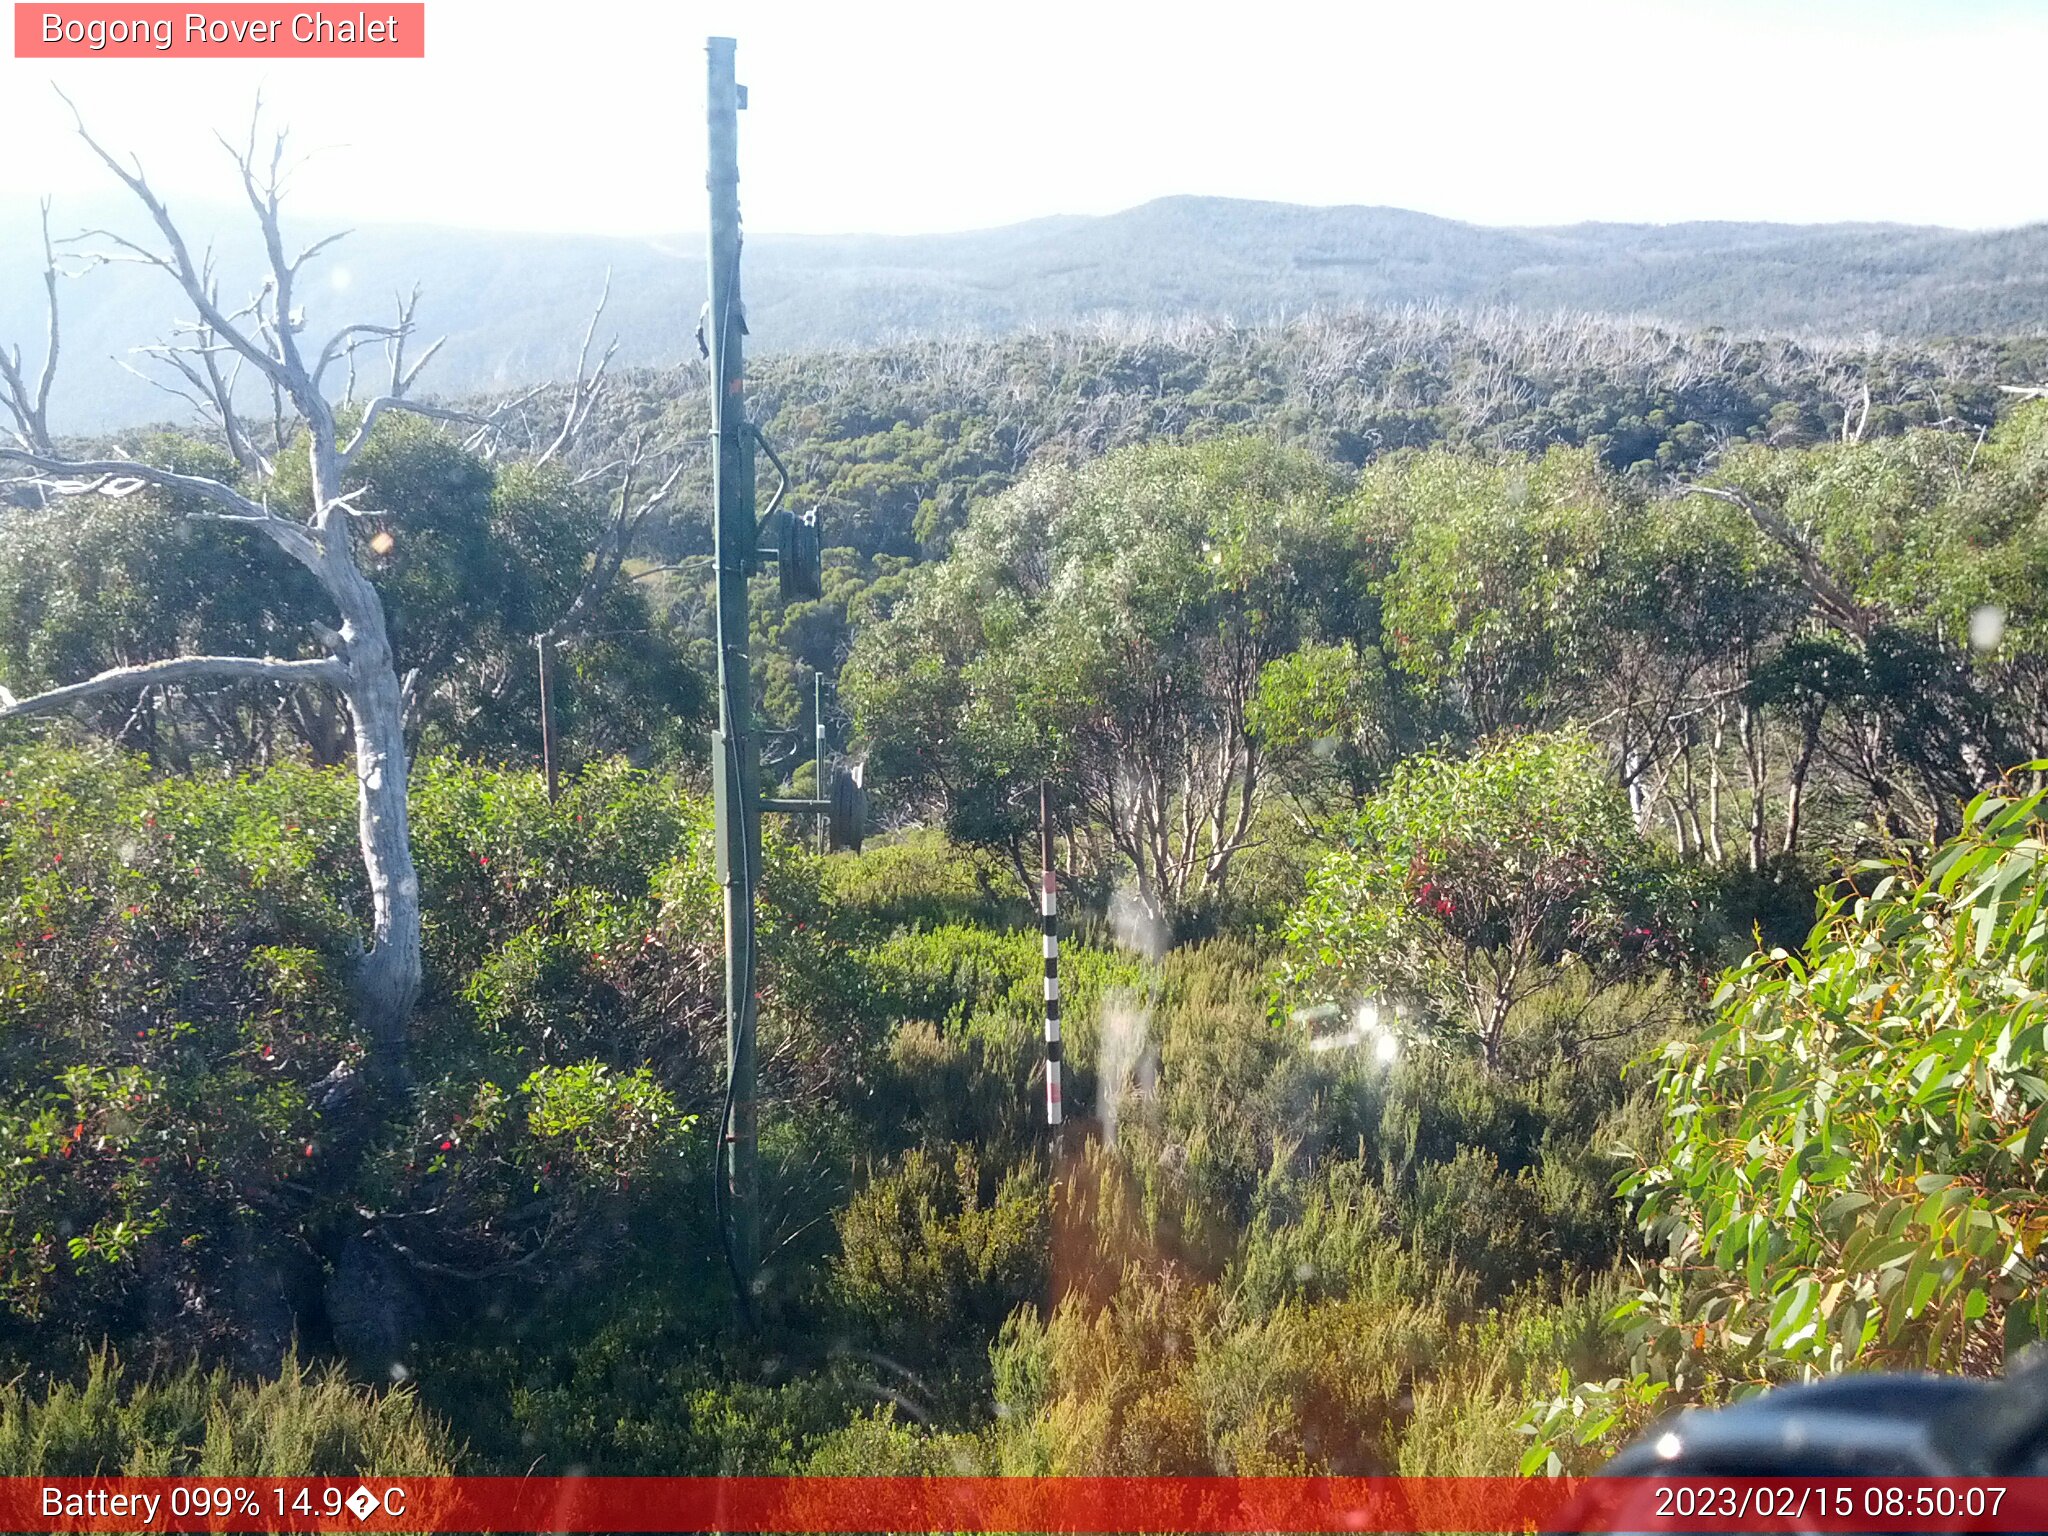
x=388, y=982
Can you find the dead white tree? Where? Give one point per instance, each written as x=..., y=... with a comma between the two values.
x=210, y=356
x=28, y=405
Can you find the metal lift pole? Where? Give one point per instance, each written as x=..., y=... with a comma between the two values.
x=738, y=553
x=736, y=767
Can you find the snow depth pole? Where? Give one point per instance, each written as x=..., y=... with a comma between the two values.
x=1049, y=917
x=818, y=786
x=736, y=758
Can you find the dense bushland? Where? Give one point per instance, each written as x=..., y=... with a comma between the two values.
x=1401, y=799
x=532, y=1247
x=894, y=445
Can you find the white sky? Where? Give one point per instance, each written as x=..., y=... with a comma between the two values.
x=891, y=115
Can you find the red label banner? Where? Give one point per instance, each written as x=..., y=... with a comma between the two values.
x=227, y=31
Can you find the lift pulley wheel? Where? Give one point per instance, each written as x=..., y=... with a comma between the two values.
x=799, y=557
x=846, y=824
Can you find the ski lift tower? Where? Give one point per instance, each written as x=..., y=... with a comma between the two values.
x=741, y=544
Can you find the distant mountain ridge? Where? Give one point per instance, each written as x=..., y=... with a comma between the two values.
x=513, y=305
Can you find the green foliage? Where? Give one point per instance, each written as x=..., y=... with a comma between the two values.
x=170, y=954
x=309, y=1421
x=1468, y=1418
x=1100, y=627
x=589, y=1118
x=1319, y=693
x=968, y=1006
x=1501, y=571
x=1332, y=718
x=920, y=880
x=927, y=1259
x=1851, y=1175
x=1574, y=1430
x=1759, y=718
x=632, y=1383
x=1338, y=1235
x=1467, y=1213
x=173, y=964
x=472, y=561
x=1317, y=1212
x=1471, y=886
x=91, y=584
x=878, y=1444
x=1164, y=1378
x=1881, y=1089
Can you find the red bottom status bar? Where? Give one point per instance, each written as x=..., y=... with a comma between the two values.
x=1025, y=1504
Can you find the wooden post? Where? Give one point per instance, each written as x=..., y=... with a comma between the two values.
x=544, y=646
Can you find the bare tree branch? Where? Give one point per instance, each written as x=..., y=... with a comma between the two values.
x=178, y=669
x=117, y=478
x=1834, y=599
x=264, y=200
x=584, y=392
x=196, y=401
x=309, y=252
x=344, y=341
x=484, y=425
x=214, y=395
x=627, y=517
x=397, y=392
x=189, y=274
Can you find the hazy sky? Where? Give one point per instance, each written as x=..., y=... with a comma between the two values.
x=586, y=115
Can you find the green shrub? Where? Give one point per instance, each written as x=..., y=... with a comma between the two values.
x=1881, y=1088
x=1104, y=1390
x=921, y=880
x=1270, y=1266
x=1470, y=886
x=1468, y=1416
x=1850, y=1174
x=1161, y=1379
x=174, y=963
x=307, y=1422
x=1337, y=1236
x=879, y=1444
x=929, y=1256
x=1470, y=1214
x=171, y=963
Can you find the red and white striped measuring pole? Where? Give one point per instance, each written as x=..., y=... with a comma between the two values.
x=1049, y=919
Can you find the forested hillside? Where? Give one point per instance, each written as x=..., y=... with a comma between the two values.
x=1437, y=713
x=508, y=302
x=894, y=445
